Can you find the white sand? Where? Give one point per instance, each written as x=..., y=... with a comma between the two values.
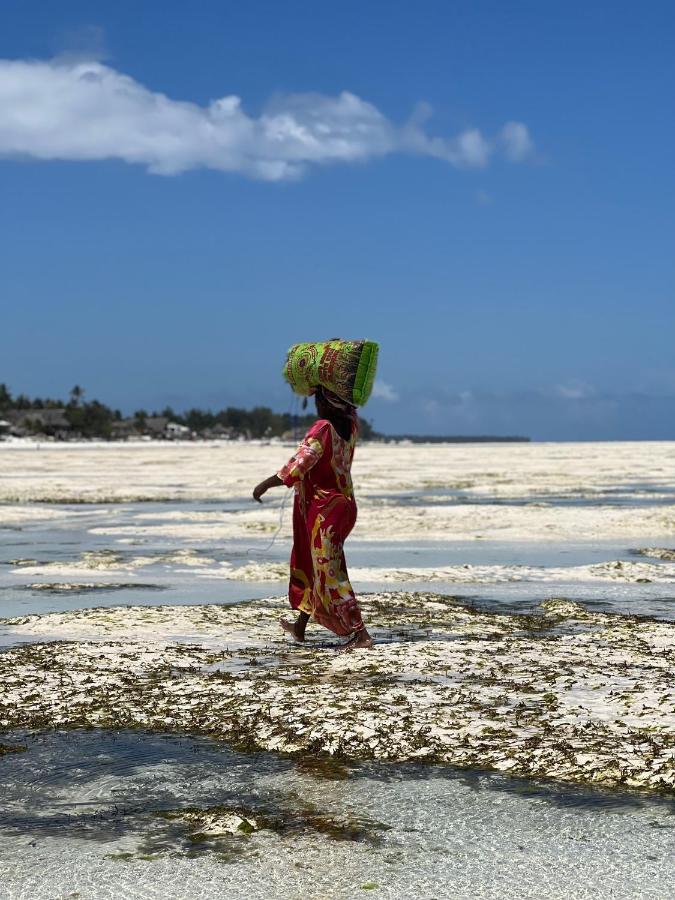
x=202, y=470
x=535, y=472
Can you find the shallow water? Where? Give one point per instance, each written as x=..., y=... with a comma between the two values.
x=62, y=541
x=639, y=493
x=78, y=818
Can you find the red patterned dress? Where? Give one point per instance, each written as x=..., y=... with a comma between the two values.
x=324, y=513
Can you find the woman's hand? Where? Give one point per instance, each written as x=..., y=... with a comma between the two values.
x=260, y=489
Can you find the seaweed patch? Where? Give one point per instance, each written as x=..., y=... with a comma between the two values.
x=569, y=693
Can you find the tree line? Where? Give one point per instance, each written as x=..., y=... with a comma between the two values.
x=94, y=419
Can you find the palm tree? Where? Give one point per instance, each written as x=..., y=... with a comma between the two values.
x=140, y=417
x=5, y=397
x=76, y=394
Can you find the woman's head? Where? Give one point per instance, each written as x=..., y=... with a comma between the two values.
x=327, y=401
x=338, y=412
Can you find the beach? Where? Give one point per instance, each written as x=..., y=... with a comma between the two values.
x=511, y=734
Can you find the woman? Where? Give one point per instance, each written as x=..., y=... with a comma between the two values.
x=324, y=513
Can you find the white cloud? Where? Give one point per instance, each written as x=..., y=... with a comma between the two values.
x=516, y=141
x=72, y=110
x=384, y=391
x=483, y=198
x=467, y=150
x=432, y=408
x=574, y=390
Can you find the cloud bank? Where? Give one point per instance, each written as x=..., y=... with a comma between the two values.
x=382, y=390
x=75, y=110
x=571, y=411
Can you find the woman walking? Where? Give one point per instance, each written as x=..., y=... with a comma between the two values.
x=324, y=513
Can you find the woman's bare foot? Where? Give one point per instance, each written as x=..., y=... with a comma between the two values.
x=294, y=629
x=361, y=641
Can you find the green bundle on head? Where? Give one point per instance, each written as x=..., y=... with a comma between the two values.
x=347, y=368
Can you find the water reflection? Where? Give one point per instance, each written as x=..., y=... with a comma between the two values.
x=89, y=802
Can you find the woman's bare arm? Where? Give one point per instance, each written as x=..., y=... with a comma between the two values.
x=260, y=489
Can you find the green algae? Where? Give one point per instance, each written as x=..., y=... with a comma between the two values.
x=12, y=748
x=322, y=766
x=58, y=587
x=201, y=824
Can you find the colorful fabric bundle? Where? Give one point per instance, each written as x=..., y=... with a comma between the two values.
x=347, y=368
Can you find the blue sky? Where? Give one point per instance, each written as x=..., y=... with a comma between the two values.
x=492, y=200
